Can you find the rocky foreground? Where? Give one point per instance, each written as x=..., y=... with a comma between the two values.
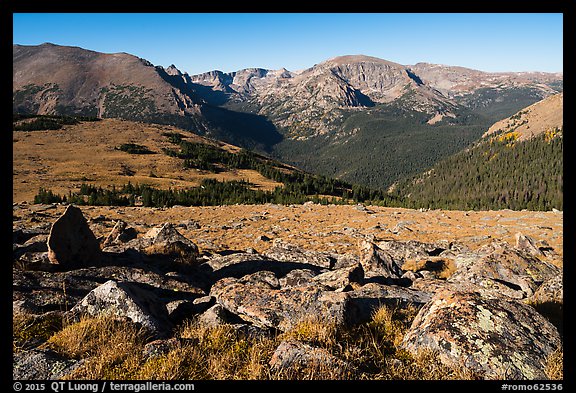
x=491, y=307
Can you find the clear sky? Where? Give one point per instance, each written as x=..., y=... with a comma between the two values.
x=202, y=42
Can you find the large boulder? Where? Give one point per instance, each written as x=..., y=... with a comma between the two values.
x=495, y=337
x=377, y=262
x=504, y=270
x=286, y=252
x=126, y=300
x=280, y=308
x=71, y=243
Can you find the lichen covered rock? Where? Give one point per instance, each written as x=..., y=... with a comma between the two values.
x=495, y=337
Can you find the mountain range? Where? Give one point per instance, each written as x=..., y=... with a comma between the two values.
x=358, y=118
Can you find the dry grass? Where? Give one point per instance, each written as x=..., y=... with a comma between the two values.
x=113, y=349
x=85, y=152
x=29, y=329
x=555, y=365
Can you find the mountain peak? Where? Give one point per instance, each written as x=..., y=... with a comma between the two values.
x=353, y=59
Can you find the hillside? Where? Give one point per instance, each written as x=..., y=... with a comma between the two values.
x=115, y=162
x=518, y=164
x=533, y=120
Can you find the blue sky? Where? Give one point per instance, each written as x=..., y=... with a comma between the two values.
x=202, y=42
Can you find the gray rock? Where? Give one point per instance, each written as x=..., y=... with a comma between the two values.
x=551, y=291
x=214, y=316
x=263, y=278
x=412, y=249
x=160, y=347
x=494, y=337
x=376, y=262
x=38, y=364
x=285, y=252
x=365, y=300
x=503, y=269
x=526, y=243
x=71, y=243
x=296, y=355
x=297, y=278
x=341, y=278
x=127, y=300
x=280, y=308
x=166, y=240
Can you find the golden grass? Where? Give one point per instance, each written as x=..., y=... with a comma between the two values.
x=86, y=153
x=113, y=349
x=555, y=365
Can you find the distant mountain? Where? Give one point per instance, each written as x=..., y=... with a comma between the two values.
x=52, y=79
x=518, y=164
x=357, y=118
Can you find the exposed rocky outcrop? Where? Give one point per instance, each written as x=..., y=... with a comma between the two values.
x=496, y=314
x=496, y=337
x=128, y=300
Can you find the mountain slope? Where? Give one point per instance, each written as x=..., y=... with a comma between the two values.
x=50, y=79
x=518, y=165
x=357, y=118
x=534, y=120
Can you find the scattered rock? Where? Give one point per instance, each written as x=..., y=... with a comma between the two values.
x=128, y=300
x=296, y=355
x=71, y=243
x=40, y=364
x=377, y=262
x=494, y=337
x=280, y=308
x=502, y=269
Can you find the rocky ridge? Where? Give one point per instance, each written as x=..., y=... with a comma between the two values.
x=483, y=316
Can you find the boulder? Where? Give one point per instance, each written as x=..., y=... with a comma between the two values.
x=377, y=262
x=71, y=243
x=495, y=337
x=127, y=300
x=341, y=278
x=40, y=364
x=296, y=355
x=412, y=249
x=280, y=308
x=263, y=278
x=551, y=291
x=503, y=269
x=286, y=252
x=166, y=240
x=121, y=233
x=297, y=278
x=365, y=300
x=527, y=244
